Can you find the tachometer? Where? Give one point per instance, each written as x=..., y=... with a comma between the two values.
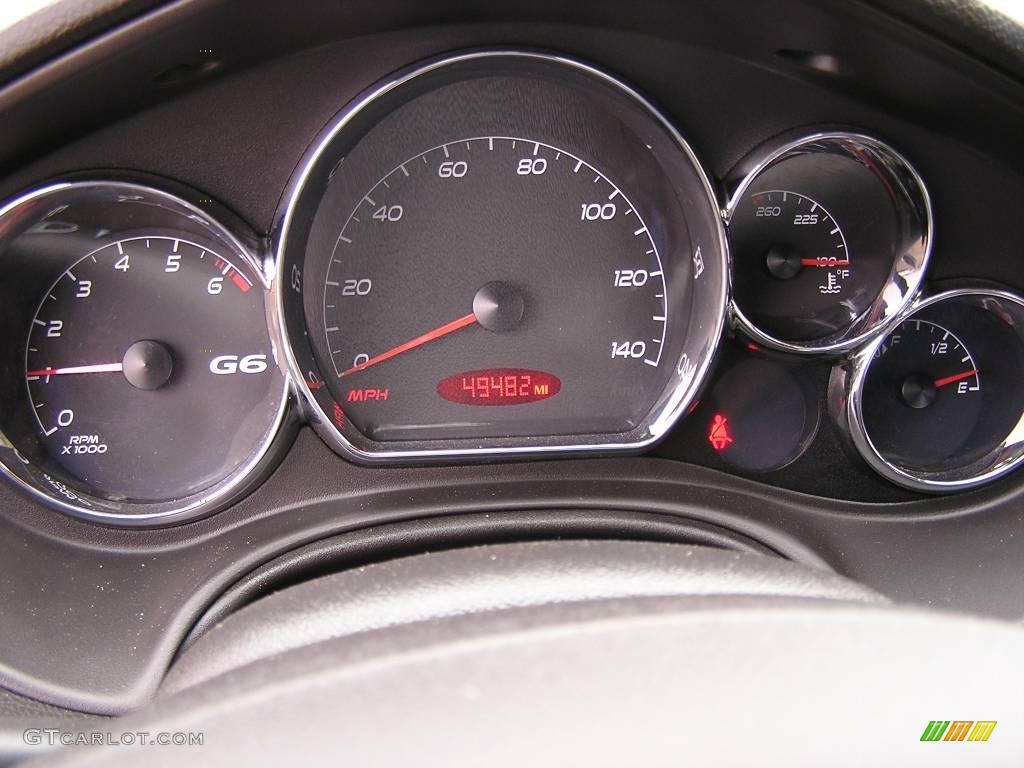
x=148, y=386
x=507, y=230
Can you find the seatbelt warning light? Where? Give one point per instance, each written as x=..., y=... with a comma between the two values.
x=719, y=435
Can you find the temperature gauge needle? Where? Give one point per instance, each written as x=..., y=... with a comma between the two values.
x=954, y=378
x=824, y=262
x=102, y=368
x=419, y=341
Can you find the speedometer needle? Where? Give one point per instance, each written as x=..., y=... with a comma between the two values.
x=954, y=378
x=419, y=341
x=102, y=368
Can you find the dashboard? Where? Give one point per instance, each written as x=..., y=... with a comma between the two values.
x=399, y=282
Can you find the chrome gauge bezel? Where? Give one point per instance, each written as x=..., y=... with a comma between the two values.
x=223, y=227
x=846, y=389
x=904, y=280
x=691, y=373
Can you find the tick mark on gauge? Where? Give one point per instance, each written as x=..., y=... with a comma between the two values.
x=640, y=231
x=403, y=170
x=578, y=166
x=536, y=148
x=332, y=329
x=332, y=283
x=490, y=143
x=120, y=249
x=659, y=318
x=344, y=240
x=651, y=362
x=445, y=148
x=369, y=200
x=613, y=194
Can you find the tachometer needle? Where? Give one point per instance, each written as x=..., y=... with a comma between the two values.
x=954, y=378
x=102, y=368
x=419, y=341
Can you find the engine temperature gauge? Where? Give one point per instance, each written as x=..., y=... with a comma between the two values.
x=829, y=242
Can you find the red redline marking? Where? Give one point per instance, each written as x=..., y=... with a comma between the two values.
x=954, y=378
x=429, y=336
x=241, y=282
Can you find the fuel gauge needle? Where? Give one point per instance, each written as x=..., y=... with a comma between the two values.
x=954, y=378
x=102, y=368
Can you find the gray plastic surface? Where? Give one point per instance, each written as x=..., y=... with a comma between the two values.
x=694, y=681
x=464, y=582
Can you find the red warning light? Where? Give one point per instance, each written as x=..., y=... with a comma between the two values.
x=718, y=435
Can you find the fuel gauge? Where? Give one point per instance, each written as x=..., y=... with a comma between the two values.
x=936, y=404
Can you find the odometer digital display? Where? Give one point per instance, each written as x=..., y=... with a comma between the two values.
x=505, y=216
x=499, y=386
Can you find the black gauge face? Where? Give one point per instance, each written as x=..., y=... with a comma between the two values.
x=505, y=252
x=143, y=361
x=552, y=269
x=143, y=385
x=942, y=394
x=925, y=394
x=826, y=242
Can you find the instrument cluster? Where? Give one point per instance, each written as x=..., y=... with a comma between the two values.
x=490, y=255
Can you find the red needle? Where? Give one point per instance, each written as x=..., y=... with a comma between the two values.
x=824, y=263
x=954, y=378
x=103, y=368
x=419, y=341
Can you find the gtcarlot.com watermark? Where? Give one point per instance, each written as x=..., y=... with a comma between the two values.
x=54, y=737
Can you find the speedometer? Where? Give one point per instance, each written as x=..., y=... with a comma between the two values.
x=500, y=252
